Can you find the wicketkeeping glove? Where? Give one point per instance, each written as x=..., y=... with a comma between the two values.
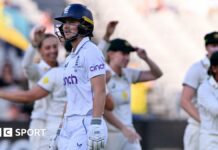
x=96, y=135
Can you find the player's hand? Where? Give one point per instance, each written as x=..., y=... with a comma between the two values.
x=130, y=134
x=110, y=29
x=96, y=135
x=53, y=145
x=141, y=53
x=37, y=35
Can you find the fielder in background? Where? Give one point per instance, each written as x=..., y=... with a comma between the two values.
x=47, y=46
x=193, y=79
x=122, y=135
x=208, y=105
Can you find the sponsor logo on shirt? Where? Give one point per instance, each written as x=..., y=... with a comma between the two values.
x=97, y=67
x=70, y=80
x=124, y=95
x=77, y=61
x=45, y=80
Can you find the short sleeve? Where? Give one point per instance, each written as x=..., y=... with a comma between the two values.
x=94, y=62
x=103, y=46
x=107, y=67
x=132, y=74
x=192, y=77
x=47, y=82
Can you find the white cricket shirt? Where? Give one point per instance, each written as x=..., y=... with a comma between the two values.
x=119, y=88
x=86, y=62
x=195, y=76
x=208, y=106
x=52, y=82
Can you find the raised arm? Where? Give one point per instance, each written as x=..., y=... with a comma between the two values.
x=28, y=64
x=154, y=72
x=104, y=44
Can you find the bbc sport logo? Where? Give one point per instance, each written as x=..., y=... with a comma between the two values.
x=10, y=132
x=6, y=132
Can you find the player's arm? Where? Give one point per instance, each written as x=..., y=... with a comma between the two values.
x=28, y=57
x=96, y=134
x=27, y=62
x=104, y=44
x=112, y=119
x=99, y=94
x=128, y=132
x=186, y=102
x=109, y=104
x=24, y=96
x=154, y=72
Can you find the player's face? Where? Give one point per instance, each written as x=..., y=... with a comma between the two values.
x=70, y=28
x=49, y=49
x=120, y=59
x=211, y=48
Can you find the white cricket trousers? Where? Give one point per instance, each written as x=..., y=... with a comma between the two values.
x=35, y=141
x=52, y=126
x=74, y=133
x=191, y=137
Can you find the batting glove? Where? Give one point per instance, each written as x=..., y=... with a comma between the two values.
x=96, y=136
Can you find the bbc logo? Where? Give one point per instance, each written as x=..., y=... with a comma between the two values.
x=6, y=132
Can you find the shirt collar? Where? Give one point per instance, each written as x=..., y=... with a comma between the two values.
x=116, y=75
x=205, y=62
x=81, y=43
x=44, y=65
x=213, y=82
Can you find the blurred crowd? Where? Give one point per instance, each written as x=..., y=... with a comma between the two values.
x=11, y=54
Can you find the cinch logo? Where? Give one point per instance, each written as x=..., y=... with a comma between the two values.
x=97, y=67
x=70, y=80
